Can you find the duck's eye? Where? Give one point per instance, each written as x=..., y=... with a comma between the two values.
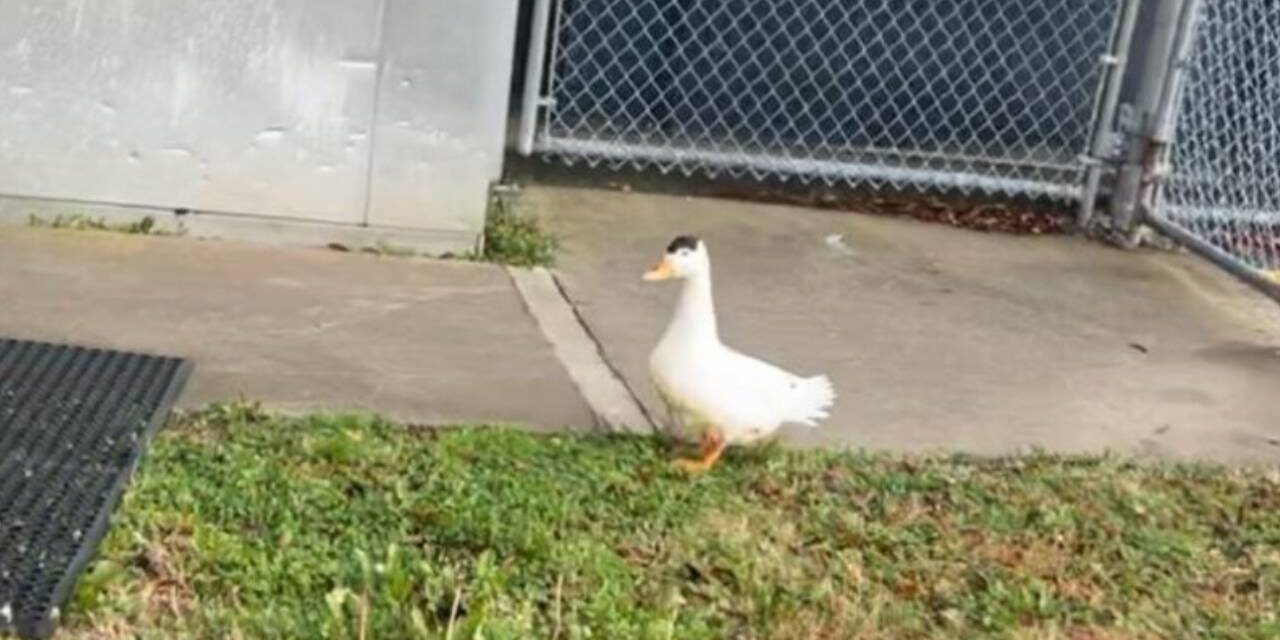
x=684, y=252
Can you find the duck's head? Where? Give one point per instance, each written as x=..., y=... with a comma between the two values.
x=686, y=257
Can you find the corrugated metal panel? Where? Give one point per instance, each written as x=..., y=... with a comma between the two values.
x=240, y=106
x=262, y=107
x=442, y=110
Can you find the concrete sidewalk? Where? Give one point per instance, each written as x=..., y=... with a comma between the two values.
x=425, y=341
x=940, y=339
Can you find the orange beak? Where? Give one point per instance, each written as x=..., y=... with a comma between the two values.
x=660, y=271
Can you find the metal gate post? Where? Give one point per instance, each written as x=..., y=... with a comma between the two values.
x=1163, y=128
x=536, y=61
x=1164, y=120
x=1156, y=65
x=1102, y=146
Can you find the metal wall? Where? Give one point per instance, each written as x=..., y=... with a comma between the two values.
x=379, y=112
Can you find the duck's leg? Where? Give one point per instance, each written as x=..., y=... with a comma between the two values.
x=713, y=444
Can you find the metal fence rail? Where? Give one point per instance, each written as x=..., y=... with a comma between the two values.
x=1000, y=96
x=1224, y=185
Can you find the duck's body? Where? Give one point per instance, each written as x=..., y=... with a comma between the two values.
x=714, y=393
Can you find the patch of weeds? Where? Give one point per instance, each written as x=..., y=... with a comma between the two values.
x=246, y=524
x=381, y=249
x=510, y=238
x=81, y=222
x=516, y=239
x=390, y=250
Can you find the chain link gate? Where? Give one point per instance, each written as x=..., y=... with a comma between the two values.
x=995, y=96
x=1221, y=193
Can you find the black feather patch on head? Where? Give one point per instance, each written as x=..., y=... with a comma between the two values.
x=683, y=242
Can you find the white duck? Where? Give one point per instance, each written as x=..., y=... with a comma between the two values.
x=715, y=393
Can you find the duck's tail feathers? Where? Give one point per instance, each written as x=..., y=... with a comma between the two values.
x=812, y=401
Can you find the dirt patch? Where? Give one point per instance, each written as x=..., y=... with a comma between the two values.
x=1011, y=217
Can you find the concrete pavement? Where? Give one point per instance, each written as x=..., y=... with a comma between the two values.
x=298, y=329
x=941, y=339
x=937, y=339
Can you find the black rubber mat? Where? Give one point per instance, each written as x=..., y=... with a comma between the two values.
x=73, y=425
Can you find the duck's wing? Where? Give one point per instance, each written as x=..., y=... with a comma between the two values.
x=769, y=395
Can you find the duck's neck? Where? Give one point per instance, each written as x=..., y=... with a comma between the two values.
x=695, y=316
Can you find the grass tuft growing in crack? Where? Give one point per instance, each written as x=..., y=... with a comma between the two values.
x=145, y=226
x=515, y=238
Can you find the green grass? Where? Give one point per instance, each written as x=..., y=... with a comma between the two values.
x=517, y=239
x=252, y=526
x=81, y=222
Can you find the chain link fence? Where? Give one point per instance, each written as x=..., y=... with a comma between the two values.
x=997, y=96
x=1002, y=97
x=1224, y=184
